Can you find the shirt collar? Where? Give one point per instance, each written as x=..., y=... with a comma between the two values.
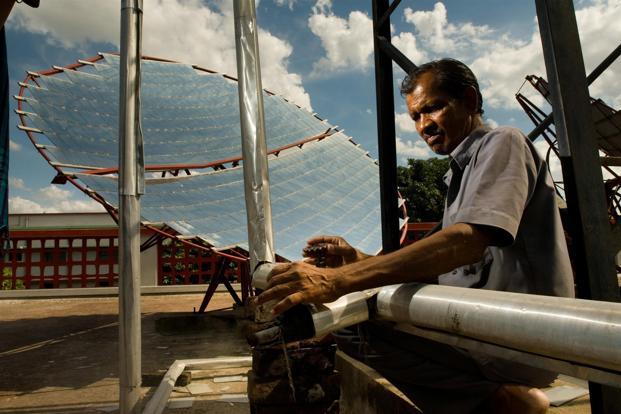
x=462, y=154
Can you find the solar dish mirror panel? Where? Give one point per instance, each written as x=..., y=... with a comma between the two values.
x=321, y=183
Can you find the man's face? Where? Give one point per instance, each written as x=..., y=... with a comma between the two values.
x=441, y=120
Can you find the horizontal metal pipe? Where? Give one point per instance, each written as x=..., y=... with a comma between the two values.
x=573, y=336
x=582, y=331
x=576, y=370
x=347, y=310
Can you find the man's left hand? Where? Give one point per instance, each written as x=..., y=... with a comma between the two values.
x=293, y=283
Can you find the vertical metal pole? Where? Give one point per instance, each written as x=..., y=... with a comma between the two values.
x=582, y=174
x=254, y=148
x=131, y=185
x=387, y=146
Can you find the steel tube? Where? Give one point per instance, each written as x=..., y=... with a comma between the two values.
x=577, y=330
x=131, y=185
x=254, y=148
x=345, y=311
x=306, y=322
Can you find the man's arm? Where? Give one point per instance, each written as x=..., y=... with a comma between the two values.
x=423, y=261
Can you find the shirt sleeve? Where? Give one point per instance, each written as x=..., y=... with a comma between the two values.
x=499, y=184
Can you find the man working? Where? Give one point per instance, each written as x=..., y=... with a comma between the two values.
x=501, y=231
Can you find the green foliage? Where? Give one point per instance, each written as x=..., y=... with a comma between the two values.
x=421, y=184
x=7, y=283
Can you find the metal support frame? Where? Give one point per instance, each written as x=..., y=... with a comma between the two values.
x=213, y=285
x=590, y=229
x=385, y=52
x=254, y=147
x=604, y=64
x=131, y=186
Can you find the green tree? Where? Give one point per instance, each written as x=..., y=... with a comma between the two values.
x=421, y=184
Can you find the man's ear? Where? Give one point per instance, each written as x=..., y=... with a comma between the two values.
x=471, y=99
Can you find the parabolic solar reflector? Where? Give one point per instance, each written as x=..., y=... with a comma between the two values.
x=321, y=182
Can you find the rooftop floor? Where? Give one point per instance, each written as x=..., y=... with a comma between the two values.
x=61, y=356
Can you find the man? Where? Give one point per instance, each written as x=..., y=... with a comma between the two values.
x=501, y=230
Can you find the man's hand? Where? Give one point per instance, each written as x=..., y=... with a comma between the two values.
x=336, y=250
x=294, y=283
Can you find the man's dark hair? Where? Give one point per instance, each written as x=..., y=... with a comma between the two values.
x=453, y=77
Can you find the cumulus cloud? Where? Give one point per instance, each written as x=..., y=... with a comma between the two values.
x=183, y=30
x=14, y=146
x=499, y=59
x=443, y=37
x=52, y=199
x=404, y=123
x=503, y=66
x=412, y=149
x=600, y=33
x=406, y=43
x=348, y=43
x=70, y=23
x=16, y=183
x=491, y=123
x=22, y=205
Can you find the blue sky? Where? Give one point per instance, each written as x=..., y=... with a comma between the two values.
x=318, y=53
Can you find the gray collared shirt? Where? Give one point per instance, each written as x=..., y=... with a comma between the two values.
x=505, y=184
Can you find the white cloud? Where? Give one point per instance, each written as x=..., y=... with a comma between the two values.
x=441, y=36
x=501, y=61
x=71, y=23
x=348, y=42
x=14, y=146
x=491, y=123
x=406, y=43
x=289, y=3
x=52, y=199
x=600, y=33
x=183, y=30
x=404, y=123
x=431, y=26
x=16, y=183
x=555, y=164
x=23, y=205
x=409, y=149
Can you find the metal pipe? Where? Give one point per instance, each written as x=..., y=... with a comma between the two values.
x=573, y=336
x=254, y=148
x=577, y=330
x=347, y=310
x=310, y=321
x=130, y=186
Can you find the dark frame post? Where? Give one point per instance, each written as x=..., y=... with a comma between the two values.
x=590, y=228
x=385, y=106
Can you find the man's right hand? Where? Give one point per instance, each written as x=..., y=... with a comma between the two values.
x=336, y=250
